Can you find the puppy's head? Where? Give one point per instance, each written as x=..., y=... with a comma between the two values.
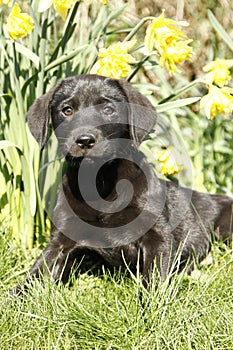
x=87, y=111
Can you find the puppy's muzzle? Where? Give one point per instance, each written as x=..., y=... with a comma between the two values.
x=85, y=141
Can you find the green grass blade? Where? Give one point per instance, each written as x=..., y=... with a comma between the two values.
x=220, y=30
x=4, y=144
x=176, y=104
x=181, y=91
x=64, y=58
x=28, y=54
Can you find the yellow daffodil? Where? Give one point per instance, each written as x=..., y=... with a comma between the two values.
x=5, y=2
x=162, y=27
x=217, y=101
x=19, y=24
x=170, y=42
x=61, y=6
x=175, y=53
x=167, y=162
x=44, y=5
x=219, y=71
x=114, y=61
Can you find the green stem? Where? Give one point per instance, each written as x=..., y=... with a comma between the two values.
x=42, y=55
x=181, y=91
x=137, y=27
x=139, y=65
x=220, y=30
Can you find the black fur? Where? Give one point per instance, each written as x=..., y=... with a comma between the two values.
x=178, y=221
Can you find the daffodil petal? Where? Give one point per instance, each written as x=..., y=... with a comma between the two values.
x=61, y=11
x=19, y=24
x=44, y=5
x=63, y=6
x=219, y=73
x=170, y=42
x=217, y=101
x=167, y=162
x=115, y=60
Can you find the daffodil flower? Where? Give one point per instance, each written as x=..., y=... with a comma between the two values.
x=19, y=24
x=61, y=6
x=175, y=53
x=5, y=2
x=170, y=42
x=217, y=101
x=167, y=162
x=219, y=71
x=114, y=61
x=162, y=27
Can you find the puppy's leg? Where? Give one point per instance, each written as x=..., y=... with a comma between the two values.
x=156, y=255
x=55, y=261
x=55, y=258
x=224, y=221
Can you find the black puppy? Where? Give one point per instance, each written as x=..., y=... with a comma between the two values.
x=112, y=207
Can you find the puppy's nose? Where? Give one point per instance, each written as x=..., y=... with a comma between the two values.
x=86, y=141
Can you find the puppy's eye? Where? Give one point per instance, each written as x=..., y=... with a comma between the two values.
x=108, y=110
x=67, y=111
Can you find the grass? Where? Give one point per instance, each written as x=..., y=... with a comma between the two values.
x=115, y=312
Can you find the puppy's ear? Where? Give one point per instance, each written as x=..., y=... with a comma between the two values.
x=142, y=114
x=38, y=116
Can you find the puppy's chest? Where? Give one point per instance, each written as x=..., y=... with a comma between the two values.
x=113, y=218
x=123, y=204
x=117, y=219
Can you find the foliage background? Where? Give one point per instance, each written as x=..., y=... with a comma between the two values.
x=55, y=49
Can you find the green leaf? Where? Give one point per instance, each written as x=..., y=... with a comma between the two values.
x=29, y=182
x=136, y=28
x=64, y=58
x=5, y=144
x=28, y=54
x=176, y=104
x=220, y=30
x=181, y=91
